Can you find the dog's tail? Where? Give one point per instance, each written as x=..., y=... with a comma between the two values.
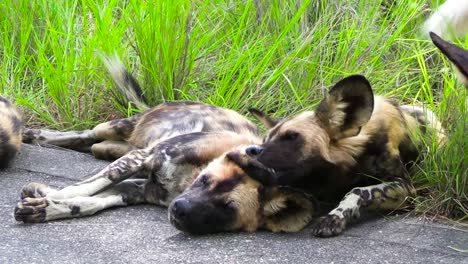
x=449, y=20
x=10, y=131
x=126, y=83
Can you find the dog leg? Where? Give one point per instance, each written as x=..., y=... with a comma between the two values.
x=35, y=190
x=118, y=130
x=110, y=149
x=384, y=196
x=117, y=171
x=76, y=140
x=36, y=210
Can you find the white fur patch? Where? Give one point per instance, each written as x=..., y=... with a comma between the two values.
x=85, y=189
x=450, y=19
x=349, y=203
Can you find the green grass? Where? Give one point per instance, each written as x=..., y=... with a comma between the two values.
x=277, y=55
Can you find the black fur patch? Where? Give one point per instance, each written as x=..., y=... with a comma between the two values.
x=17, y=124
x=75, y=210
x=123, y=127
x=227, y=185
x=4, y=100
x=7, y=150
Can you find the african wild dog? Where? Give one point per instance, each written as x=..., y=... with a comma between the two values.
x=354, y=143
x=177, y=154
x=10, y=131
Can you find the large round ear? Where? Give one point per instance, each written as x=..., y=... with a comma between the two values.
x=287, y=210
x=457, y=55
x=266, y=120
x=347, y=107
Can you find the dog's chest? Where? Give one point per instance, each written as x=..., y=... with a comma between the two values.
x=169, y=179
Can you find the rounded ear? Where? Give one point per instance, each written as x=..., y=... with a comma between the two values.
x=457, y=55
x=287, y=210
x=266, y=120
x=347, y=107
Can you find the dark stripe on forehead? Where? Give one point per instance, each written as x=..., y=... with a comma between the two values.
x=227, y=185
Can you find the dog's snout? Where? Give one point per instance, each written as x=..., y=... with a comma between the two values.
x=181, y=207
x=253, y=150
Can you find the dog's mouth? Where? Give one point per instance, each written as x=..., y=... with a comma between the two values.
x=261, y=166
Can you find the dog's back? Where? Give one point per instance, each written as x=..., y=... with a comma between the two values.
x=177, y=118
x=10, y=131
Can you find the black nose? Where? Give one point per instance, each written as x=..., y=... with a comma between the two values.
x=180, y=208
x=253, y=150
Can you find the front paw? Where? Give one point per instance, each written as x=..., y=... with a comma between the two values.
x=35, y=190
x=329, y=225
x=31, y=210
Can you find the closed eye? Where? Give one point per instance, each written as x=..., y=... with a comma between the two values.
x=203, y=180
x=230, y=205
x=289, y=135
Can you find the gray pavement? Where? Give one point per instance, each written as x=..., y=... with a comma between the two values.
x=142, y=234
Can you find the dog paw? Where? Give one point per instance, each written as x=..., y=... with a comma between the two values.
x=35, y=190
x=31, y=210
x=30, y=136
x=329, y=225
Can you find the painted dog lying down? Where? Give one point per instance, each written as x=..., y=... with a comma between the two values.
x=11, y=126
x=355, y=146
x=184, y=155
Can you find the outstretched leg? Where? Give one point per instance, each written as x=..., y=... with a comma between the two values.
x=110, y=149
x=384, y=196
x=36, y=210
x=114, y=173
x=117, y=130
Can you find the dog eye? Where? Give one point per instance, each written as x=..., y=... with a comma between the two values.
x=204, y=179
x=290, y=135
x=230, y=205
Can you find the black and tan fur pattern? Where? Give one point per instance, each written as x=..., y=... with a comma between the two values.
x=354, y=144
x=10, y=131
x=178, y=155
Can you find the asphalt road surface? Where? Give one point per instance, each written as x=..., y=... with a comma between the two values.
x=142, y=234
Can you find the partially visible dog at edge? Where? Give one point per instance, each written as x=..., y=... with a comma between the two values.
x=448, y=21
x=10, y=131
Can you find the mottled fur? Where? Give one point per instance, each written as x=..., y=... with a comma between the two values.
x=10, y=131
x=354, y=143
x=177, y=154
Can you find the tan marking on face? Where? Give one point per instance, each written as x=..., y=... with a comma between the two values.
x=244, y=195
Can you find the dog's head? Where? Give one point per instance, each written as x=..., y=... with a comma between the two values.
x=304, y=145
x=223, y=197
